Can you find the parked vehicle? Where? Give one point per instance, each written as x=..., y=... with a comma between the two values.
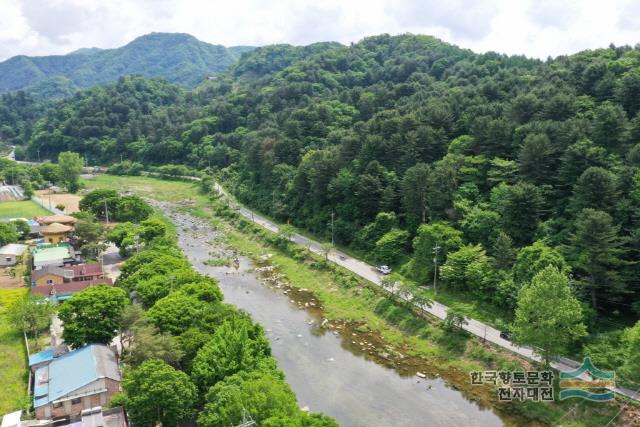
x=384, y=269
x=506, y=335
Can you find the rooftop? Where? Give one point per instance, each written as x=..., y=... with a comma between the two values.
x=55, y=228
x=13, y=249
x=31, y=222
x=47, y=253
x=68, y=288
x=48, y=354
x=68, y=272
x=62, y=219
x=72, y=371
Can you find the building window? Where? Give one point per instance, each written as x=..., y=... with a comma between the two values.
x=57, y=405
x=76, y=401
x=49, y=281
x=8, y=259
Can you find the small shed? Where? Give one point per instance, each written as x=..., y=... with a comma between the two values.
x=11, y=254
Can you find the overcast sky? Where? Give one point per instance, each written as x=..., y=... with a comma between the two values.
x=538, y=28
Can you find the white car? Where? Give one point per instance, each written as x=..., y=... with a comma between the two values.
x=384, y=269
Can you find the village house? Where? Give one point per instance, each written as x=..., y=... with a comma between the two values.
x=56, y=228
x=64, y=291
x=56, y=275
x=12, y=254
x=60, y=283
x=55, y=233
x=82, y=379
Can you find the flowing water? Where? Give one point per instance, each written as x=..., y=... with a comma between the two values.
x=327, y=369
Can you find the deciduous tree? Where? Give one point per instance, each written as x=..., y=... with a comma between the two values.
x=70, y=165
x=93, y=315
x=548, y=316
x=157, y=394
x=236, y=346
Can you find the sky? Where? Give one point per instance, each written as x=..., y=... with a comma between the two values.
x=536, y=28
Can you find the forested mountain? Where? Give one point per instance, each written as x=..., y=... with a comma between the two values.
x=178, y=58
x=504, y=162
x=18, y=113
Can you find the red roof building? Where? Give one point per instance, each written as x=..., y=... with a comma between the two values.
x=64, y=290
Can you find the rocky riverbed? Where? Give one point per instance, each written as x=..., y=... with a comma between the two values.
x=341, y=369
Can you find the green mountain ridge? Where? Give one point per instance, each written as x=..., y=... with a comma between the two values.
x=179, y=58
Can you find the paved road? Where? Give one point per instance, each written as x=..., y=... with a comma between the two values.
x=437, y=309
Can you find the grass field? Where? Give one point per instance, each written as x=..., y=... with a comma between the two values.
x=23, y=209
x=155, y=188
x=13, y=366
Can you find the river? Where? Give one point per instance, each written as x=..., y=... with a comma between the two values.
x=323, y=370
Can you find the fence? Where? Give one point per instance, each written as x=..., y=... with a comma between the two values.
x=47, y=205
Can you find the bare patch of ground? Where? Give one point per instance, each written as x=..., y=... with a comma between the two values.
x=70, y=201
x=10, y=278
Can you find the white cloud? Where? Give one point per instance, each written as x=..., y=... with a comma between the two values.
x=537, y=28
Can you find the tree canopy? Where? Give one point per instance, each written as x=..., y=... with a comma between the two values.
x=92, y=315
x=548, y=316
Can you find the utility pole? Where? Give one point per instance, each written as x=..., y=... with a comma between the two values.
x=332, y=233
x=38, y=155
x=246, y=422
x=436, y=250
x=106, y=211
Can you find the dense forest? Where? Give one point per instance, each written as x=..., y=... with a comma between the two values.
x=507, y=164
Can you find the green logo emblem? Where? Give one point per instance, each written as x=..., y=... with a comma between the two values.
x=587, y=382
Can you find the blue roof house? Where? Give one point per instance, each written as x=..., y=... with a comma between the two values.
x=81, y=379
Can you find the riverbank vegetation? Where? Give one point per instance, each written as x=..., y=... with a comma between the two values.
x=427, y=345
x=185, y=350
